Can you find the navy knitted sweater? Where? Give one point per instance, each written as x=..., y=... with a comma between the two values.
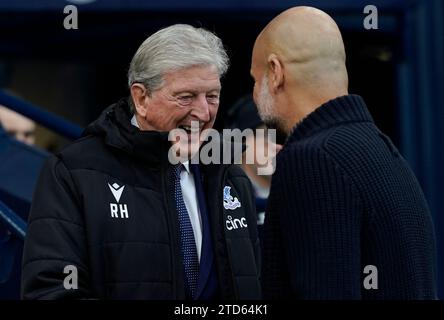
x=343, y=198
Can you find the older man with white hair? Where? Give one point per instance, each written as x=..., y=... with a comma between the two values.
x=112, y=218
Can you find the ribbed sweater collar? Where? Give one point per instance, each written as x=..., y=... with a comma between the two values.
x=349, y=108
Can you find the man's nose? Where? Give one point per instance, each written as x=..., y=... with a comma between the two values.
x=202, y=109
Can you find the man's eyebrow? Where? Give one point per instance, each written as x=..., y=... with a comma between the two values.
x=184, y=92
x=196, y=91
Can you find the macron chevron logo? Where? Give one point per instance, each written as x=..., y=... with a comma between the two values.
x=116, y=190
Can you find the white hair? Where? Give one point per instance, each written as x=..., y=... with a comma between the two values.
x=176, y=47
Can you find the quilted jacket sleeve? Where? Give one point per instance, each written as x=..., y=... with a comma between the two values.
x=55, y=254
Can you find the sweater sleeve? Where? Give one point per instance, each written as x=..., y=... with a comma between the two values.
x=55, y=239
x=320, y=217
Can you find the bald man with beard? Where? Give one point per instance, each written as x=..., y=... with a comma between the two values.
x=342, y=197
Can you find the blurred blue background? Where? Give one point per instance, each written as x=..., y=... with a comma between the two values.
x=398, y=69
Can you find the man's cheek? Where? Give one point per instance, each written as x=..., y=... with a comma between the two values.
x=169, y=120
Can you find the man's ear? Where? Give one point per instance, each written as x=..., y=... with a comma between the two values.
x=139, y=94
x=275, y=72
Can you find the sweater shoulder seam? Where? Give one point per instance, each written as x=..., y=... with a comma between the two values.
x=344, y=171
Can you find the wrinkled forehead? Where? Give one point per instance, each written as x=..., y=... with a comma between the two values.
x=195, y=78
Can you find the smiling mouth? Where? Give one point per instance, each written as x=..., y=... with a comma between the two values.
x=191, y=128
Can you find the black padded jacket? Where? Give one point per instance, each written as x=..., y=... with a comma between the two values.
x=125, y=244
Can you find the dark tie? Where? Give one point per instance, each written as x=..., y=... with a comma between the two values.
x=188, y=245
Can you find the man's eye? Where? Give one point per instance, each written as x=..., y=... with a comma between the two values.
x=185, y=99
x=212, y=98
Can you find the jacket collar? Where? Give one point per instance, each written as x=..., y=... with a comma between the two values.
x=114, y=125
x=349, y=108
